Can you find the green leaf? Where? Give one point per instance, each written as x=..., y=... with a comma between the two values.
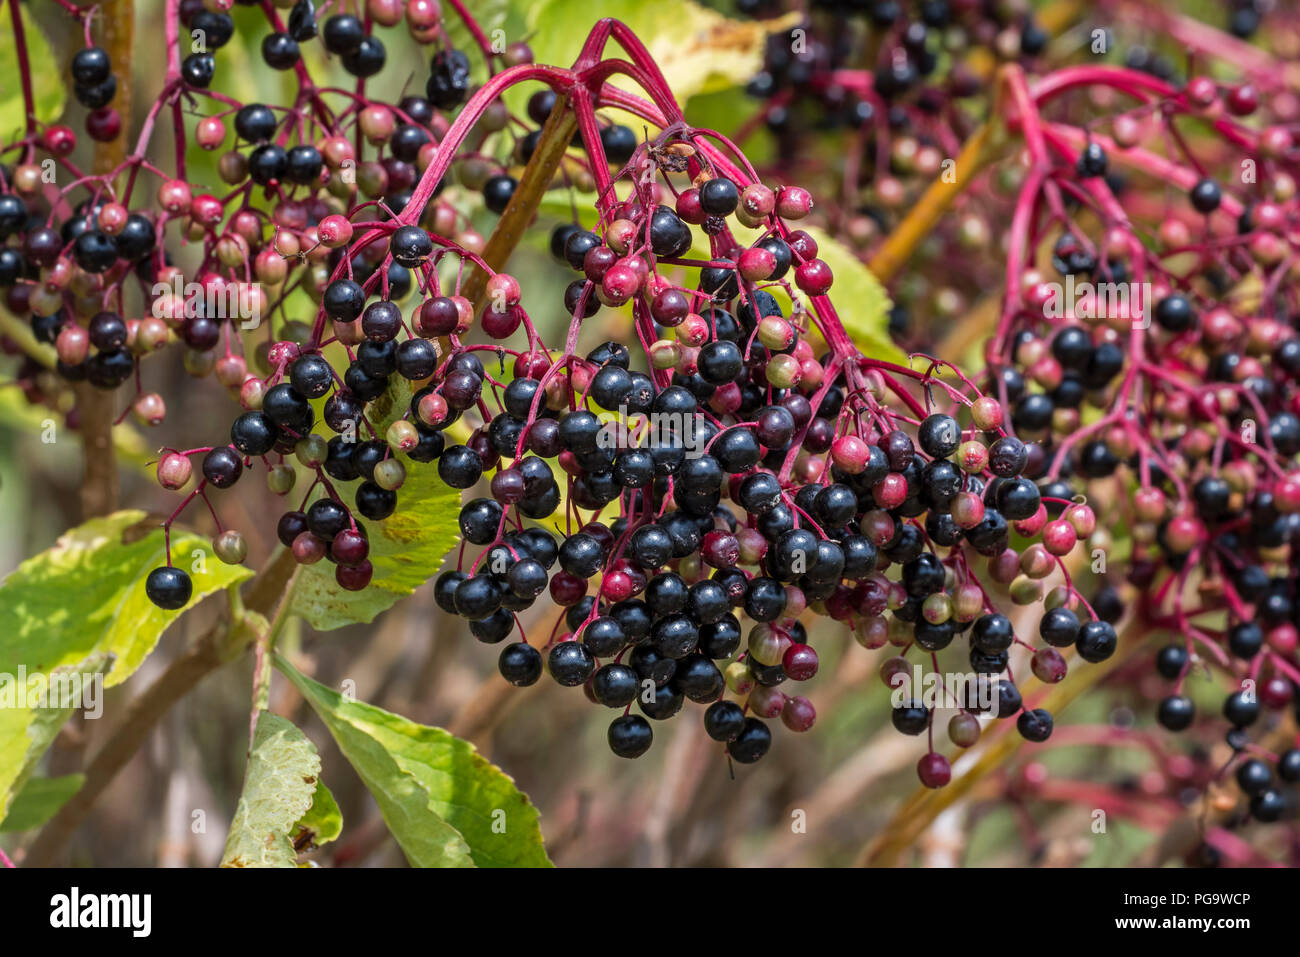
x=75, y=608
x=323, y=821
x=279, y=789
x=47, y=83
x=406, y=549
x=38, y=801
x=698, y=50
x=430, y=785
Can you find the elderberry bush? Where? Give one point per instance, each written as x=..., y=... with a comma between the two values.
x=689, y=501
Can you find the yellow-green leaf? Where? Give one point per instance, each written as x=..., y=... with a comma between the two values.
x=697, y=49
x=80, y=605
x=494, y=822
x=323, y=821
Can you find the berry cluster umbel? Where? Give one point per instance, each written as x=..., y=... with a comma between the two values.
x=788, y=473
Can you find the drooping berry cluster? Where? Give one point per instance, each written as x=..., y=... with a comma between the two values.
x=1144, y=375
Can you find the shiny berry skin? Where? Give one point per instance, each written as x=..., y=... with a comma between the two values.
x=91, y=66
x=1035, y=725
x=497, y=192
x=718, y=197
x=520, y=664
x=1206, y=196
x=814, y=277
x=630, y=736
x=169, y=588
x=571, y=663
x=752, y=743
x=1176, y=712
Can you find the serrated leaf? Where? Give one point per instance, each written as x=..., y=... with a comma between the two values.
x=47, y=84
x=81, y=603
x=323, y=821
x=406, y=549
x=279, y=788
x=425, y=838
x=39, y=800
x=463, y=792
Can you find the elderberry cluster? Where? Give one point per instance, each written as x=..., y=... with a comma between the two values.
x=1166, y=395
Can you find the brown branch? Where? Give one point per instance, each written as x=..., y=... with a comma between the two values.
x=99, y=482
x=557, y=134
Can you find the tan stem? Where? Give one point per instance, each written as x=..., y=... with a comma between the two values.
x=557, y=134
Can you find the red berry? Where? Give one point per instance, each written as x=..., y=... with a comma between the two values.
x=934, y=770
x=798, y=714
x=799, y=662
x=814, y=277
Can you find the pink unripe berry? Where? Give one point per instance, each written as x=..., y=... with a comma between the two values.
x=757, y=200
x=756, y=264
x=767, y=702
x=775, y=333
x=210, y=132
x=174, y=196
x=334, y=231
x=794, y=202
x=503, y=290
x=689, y=208
x=617, y=586
x=802, y=245
x=890, y=491
x=72, y=344
x=1149, y=504
x=1286, y=495
x=149, y=408
x=986, y=412
x=619, y=284
x=231, y=371
x=174, y=471
x=112, y=218
x=850, y=453
x=1201, y=91
x=59, y=140
x=1082, y=518
x=377, y=123
x=1048, y=666
x=967, y=509
x=1182, y=534
x=1029, y=527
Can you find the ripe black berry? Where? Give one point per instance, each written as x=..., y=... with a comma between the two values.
x=169, y=588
